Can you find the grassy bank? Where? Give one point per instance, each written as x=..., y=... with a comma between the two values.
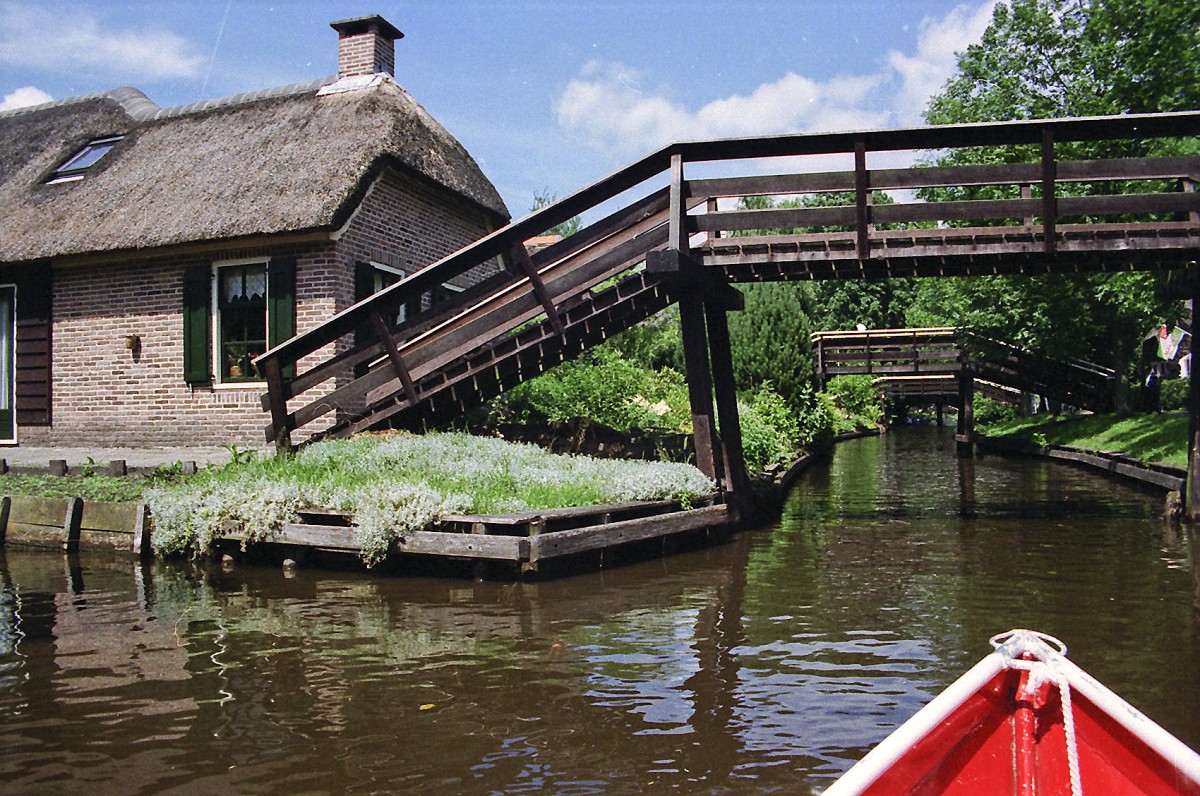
x=1149, y=437
x=400, y=484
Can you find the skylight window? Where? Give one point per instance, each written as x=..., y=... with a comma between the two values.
x=77, y=165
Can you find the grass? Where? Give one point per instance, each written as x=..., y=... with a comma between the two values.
x=1147, y=437
x=89, y=486
x=400, y=484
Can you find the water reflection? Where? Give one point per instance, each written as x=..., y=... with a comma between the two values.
x=771, y=662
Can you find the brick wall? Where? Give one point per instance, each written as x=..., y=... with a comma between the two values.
x=105, y=395
x=406, y=223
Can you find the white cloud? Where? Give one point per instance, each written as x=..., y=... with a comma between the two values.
x=924, y=73
x=24, y=97
x=606, y=105
x=36, y=38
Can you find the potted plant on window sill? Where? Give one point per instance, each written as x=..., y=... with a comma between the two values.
x=239, y=362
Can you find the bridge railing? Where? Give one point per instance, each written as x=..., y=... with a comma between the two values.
x=326, y=355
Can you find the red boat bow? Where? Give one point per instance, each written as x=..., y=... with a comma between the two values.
x=1026, y=721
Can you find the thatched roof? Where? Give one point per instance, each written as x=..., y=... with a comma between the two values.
x=283, y=160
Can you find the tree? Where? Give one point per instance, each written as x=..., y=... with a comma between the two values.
x=569, y=227
x=1056, y=58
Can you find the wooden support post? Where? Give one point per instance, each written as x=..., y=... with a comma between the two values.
x=5, y=510
x=692, y=324
x=281, y=422
x=72, y=524
x=699, y=381
x=737, y=479
x=965, y=438
x=1049, y=202
x=862, y=200
x=393, y=353
x=141, y=532
x=521, y=255
x=1192, y=488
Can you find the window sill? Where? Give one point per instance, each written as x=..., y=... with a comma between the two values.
x=239, y=385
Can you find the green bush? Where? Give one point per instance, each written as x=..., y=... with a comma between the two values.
x=989, y=411
x=770, y=431
x=604, y=386
x=857, y=399
x=814, y=420
x=1173, y=395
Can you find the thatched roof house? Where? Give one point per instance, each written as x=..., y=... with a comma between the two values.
x=282, y=161
x=348, y=170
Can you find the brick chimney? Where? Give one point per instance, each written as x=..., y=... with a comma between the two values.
x=365, y=46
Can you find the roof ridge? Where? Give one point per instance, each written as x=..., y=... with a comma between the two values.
x=143, y=109
x=135, y=103
x=243, y=98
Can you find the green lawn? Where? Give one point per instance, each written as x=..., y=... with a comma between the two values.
x=1149, y=437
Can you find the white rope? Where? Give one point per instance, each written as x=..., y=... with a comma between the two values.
x=1047, y=650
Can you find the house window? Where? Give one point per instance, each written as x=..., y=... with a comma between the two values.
x=74, y=167
x=232, y=312
x=241, y=319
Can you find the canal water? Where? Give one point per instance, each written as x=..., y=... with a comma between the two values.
x=768, y=664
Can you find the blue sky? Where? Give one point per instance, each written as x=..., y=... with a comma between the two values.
x=547, y=96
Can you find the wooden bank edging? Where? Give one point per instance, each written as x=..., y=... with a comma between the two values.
x=70, y=523
x=522, y=539
x=1164, y=476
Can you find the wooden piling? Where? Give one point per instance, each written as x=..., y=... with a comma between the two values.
x=141, y=532
x=72, y=524
x=5, y=510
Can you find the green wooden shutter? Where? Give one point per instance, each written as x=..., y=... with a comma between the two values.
x=33, y=346
x=281, y=304
x=364, y=286
x=197, y=324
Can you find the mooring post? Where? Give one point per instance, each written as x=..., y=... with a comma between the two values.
x=72, y=524
x=5, y=510
x=141, y=532
x=1192, y=487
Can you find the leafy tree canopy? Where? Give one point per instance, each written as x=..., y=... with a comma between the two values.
x=1058, y=58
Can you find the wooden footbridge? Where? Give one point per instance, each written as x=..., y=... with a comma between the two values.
x=948, y=365
x=678, y=237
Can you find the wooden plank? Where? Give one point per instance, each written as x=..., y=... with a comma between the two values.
x=521, y=255
x=324, y=537
x=461, y=545
x=596, y=537
x=393, y=354
x=947, y=177
x=101, y=515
